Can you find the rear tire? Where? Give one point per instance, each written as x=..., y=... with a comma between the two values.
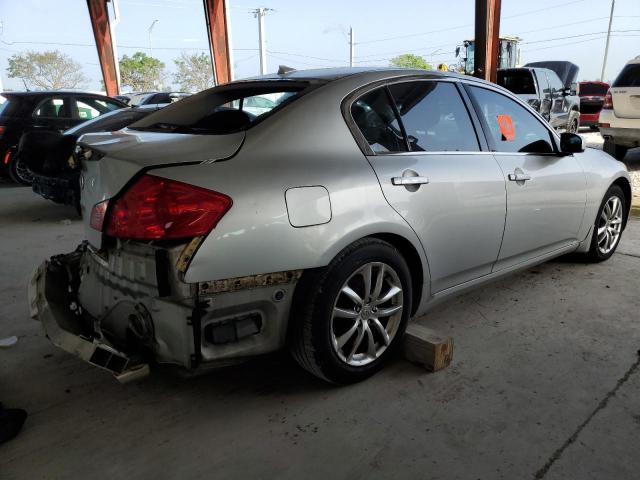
x=607, y=228
x=616, y=151
x=18, y=171
x=345, y=337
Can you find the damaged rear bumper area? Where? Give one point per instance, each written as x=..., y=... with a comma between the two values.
x=127, y=309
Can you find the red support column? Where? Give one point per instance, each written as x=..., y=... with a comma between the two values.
x=215, y=14
x=104, y=43
x=487, y=42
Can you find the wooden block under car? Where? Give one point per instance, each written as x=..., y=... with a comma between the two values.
x=427, y=347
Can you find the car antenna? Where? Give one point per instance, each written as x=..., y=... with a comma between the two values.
x=25, y=85
x=283, y=69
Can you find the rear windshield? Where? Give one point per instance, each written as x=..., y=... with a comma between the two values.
x=517, y=82
x=222, y=110
x=9, y=105
x=593, y=89
x=629, y=76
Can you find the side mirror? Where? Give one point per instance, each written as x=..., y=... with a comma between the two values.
x=571, y=143
x=457, y=52
x=566, y=92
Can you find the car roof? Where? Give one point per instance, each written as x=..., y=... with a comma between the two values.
x=368, y=73
x=46, y=93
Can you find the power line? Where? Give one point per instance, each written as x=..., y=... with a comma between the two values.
x=564, y=44
x=466, y=25
x=576, y=36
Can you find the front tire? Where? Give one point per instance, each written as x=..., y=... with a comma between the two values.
x=616, y=151
x=349, y=317
x=607, y=229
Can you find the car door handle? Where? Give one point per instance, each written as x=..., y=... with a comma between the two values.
x=519, y=177
x=409, y=180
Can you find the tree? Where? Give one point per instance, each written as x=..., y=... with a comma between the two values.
x=409, y=60
x=141, y=72
x=194, y=72
x=50, y=70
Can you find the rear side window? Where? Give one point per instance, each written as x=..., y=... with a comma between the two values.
x=434, y=117
x=53, y=108
x=222, y=110
x=629, y=76
x=511, y=126
x=518, y=82
x=377, y=121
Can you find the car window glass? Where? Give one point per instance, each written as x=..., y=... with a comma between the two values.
x=519, y=82
x=52, y=108
x=512, y=127
x=221, y=110
x=88, y=108
x=434, y=117
x=629, y=76
x=375, y=117
x=554, y=81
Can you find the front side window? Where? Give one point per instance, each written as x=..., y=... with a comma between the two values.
x=511, y=126
x=88, y=108
x=434, y=117
x=52, y=108
x=377, y=121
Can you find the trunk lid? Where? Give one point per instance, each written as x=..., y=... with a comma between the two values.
x=117, y=157
x=626, y=92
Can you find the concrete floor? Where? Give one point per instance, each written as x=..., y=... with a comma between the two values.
x=544, y=383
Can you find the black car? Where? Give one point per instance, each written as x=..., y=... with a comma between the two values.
x=52, y=157
x=43, y=111
x=549, y=87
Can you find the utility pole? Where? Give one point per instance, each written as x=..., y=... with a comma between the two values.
x=352, y=45
x=260, y=13
x=606, y=48
x=150, y=30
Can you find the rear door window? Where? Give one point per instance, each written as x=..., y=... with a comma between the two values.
x=511, y=127
x=54, y=107
x=434, y=117
x=376, y=119
x=629, y=76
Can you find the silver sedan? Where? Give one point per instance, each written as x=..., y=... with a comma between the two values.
x=358, y=199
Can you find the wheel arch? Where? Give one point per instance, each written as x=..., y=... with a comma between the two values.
x=625, y=185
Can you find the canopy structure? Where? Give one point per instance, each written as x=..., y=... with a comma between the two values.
x=487, y=29
x=217, y=31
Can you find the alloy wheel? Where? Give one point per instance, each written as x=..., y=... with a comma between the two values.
x=610, y=225
x=366, y=314
x=23, y=173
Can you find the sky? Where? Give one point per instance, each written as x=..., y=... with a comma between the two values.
x=304, y=34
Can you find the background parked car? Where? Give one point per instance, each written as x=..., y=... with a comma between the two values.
x=591, y=100
x=43, y=111
x=53, y=161
x=550, y=94
x=148, y=98
x=620, y=115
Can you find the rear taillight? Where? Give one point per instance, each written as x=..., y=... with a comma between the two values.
x=1, y=130
x=608, y=101
x=156, y=208
x=6, y=157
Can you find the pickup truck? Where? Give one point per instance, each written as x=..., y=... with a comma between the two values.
x=549, y=87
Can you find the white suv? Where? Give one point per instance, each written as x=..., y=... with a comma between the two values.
x=620, y=116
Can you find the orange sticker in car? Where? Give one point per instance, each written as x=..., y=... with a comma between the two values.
x=506, y=128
